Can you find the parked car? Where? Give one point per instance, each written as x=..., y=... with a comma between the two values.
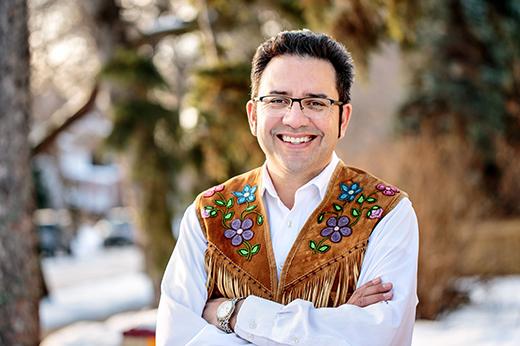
x=116, y=228
x=52, y=231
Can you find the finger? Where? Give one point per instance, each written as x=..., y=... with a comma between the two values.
x=375, y=298
x=370, y=283
x=379, y=288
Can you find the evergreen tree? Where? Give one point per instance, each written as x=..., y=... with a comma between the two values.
x=149, y=135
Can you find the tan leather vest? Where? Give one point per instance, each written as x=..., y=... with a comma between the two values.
x=324, y=262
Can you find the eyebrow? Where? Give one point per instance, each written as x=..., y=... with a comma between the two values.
x=278, y=92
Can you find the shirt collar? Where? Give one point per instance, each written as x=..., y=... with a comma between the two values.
x=321, y=181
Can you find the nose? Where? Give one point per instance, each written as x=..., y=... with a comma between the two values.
x=295, y=117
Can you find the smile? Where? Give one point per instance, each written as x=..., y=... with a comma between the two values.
x=296, y=140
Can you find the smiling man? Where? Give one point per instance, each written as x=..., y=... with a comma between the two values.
x=303, y=250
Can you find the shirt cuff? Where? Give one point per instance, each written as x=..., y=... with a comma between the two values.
x=256, y=319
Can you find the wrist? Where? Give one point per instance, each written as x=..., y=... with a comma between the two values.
x=234, y=316
x=225, y=311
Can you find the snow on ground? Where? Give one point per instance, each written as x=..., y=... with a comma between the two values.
x=492, y=317
x=94, y=286
x=106, y=333
x=93, y=295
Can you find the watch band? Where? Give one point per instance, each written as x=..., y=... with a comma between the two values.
x=224, y=323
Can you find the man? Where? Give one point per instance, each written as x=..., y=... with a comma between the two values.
x=303, y=250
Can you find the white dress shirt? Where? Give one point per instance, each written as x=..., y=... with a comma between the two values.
x=391, y=254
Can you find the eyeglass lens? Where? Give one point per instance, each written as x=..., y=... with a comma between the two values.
x=312, y=106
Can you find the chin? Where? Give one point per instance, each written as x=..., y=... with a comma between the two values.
x=299, y=166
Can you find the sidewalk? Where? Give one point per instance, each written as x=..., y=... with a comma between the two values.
x=94, y=287
x=105, y=286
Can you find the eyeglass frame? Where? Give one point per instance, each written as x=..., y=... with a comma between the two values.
x=296, y=99
x=299, y=100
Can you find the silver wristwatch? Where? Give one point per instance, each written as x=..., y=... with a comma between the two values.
x=224, y=312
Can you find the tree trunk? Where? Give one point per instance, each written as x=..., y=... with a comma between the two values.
x=20, y=285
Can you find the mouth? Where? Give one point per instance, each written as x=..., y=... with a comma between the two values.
x=296, y=140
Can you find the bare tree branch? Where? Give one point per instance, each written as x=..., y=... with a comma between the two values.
x=47, y=141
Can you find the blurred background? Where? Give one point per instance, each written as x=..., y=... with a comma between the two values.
x=116, y=113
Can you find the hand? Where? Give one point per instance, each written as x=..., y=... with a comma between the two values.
x=210, y=310
x=370, y=293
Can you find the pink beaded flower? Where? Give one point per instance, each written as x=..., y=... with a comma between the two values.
x=210, y=192
x=375, y=214
x=387, y=190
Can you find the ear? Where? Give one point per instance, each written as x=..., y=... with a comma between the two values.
x=251, y=116
x=347, y=112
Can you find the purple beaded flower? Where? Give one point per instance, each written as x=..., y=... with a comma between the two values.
x=337, y=229
x=239, y=231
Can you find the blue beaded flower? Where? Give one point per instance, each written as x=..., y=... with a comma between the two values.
x=348, y=193
x=247, y=194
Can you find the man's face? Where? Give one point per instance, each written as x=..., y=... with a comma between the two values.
x=294, y=143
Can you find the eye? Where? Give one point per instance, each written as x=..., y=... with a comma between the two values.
x=277, y=101
x=316, y=103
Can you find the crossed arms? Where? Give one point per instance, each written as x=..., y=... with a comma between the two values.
x=365, y=320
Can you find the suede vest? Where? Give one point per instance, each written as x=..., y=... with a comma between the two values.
x=324, y=262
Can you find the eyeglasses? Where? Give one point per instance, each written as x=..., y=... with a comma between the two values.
x=312, y=107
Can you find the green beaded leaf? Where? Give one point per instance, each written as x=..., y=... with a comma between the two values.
x=354, y=212
x=369, y=212
x=229, y=215
x=361, y=199
x=337, y=207
x=375, y=207
x=229, y=203
x=243, y=252
x=260, y=220
x=371, y=200
x=312, y=245
x=213, y=213
x=209, y=207
x=321, y=217
x=251, y=207
x=220, y=202
x=324, y=248
x=255, y=249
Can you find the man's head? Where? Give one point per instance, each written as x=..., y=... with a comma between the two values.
x=299, y=109
x=305, y=43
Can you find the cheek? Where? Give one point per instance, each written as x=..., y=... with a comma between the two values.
x=328, y=127
x=264, y=125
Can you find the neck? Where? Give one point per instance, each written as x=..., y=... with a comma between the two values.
x=286, y=182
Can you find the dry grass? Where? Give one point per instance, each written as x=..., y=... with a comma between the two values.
x=492, y=248
x=508, y=158
x=434, y=172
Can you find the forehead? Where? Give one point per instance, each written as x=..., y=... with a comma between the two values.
x=298, y=76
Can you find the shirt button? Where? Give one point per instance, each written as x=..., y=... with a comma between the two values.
x=296, y=340
x=289, y=224
x=252, y=324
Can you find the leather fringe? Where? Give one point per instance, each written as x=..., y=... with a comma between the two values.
x=331, y=286
x=229, y=280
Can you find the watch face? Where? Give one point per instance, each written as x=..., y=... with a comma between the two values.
x=224, y=309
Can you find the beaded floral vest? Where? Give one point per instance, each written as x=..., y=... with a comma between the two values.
x=324, y=262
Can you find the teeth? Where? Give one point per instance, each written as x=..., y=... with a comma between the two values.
x=296, y=140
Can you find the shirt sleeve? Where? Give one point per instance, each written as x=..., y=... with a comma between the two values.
x=392, y=254
x=184, y=294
